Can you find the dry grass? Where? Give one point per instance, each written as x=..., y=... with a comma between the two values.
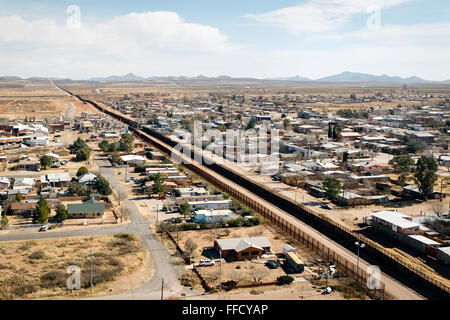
x=37, y=269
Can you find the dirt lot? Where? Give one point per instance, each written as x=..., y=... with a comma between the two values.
x=37, y=269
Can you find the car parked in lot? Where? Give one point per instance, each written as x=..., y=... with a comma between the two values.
x=273, y=264
x=43, y=228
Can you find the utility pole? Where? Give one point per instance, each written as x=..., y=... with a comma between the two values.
x=92, y=276
x=220, y=284
x=157, y=213
x=162, y=288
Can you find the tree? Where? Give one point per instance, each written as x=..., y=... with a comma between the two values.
x=158, y=185
x=425, y=175
x=61, y=213
x=330, y=130
x=258, y=273
x=403, y=166
x=83, y=154
x=438, y=208
x=19, y=197
x=42, y=211
x=185, y=209
x=353, y=96
x=345, y=157
x=102, y=186
x=82, y=171
x=4, y=221
x=46, y=161
x=251, y=124
x=104, y=145
x=190, y=246
x=332, y=188
x=283, y=116
x=77, y=189
x=286, y=123
x=126, y=143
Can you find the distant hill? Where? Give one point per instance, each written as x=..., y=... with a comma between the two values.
x=295, y=79
x=10, y=78
x=346, y=77
x=130, y=77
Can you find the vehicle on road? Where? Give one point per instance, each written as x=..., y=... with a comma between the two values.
x=43, y=228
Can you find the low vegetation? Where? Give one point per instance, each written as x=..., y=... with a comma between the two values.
x=38, y=269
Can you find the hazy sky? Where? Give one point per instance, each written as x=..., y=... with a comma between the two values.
x=251, y=38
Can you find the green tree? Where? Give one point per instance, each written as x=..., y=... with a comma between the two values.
x=403, y=166
x=158, y=185
x=286, y=123
x=46, y=161
x=126, y=143
x=353, y=96
x=82, y=171
x=102, y=186
x=83, y=154
x=345, y=157
x=251, y=124
x=104, y=145
x=19, y=197
x=283, y=116
x=77, y=189
x=332, y=188
x=185, y=209
x=78, y=145
x=4, y=221
x=42, y=211
x=425, y=175
x=330, y=130
x=61, y=213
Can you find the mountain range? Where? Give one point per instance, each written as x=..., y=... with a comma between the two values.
x=344, y=77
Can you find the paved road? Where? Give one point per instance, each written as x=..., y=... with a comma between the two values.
x=69, y=112
x=165, y=266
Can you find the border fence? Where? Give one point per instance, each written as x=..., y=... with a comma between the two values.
x=425, y=282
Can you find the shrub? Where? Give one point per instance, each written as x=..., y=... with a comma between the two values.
x=36, y=255
x=189, y=226
x=284, y=280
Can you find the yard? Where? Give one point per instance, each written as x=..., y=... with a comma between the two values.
x=38, y=269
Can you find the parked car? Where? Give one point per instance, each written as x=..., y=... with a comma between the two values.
x=326, y=206
x=43, y=228
x=206, y=263
x=273, y=264
x=64, y=162
x=56, y=165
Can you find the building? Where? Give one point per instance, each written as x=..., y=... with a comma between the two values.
x=4, y=183
x=155, y=155
x=23, y=183
x=184, y=192
x=394, y=222
x=243, y=248
x=88, y=209
x=29, y=164
x=87, y=179
x=22, y=208
x=60, y=179
x=212, y=216
x=217, y=204
x=133, y=160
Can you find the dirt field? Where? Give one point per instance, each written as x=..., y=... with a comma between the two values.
x=37, y=269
